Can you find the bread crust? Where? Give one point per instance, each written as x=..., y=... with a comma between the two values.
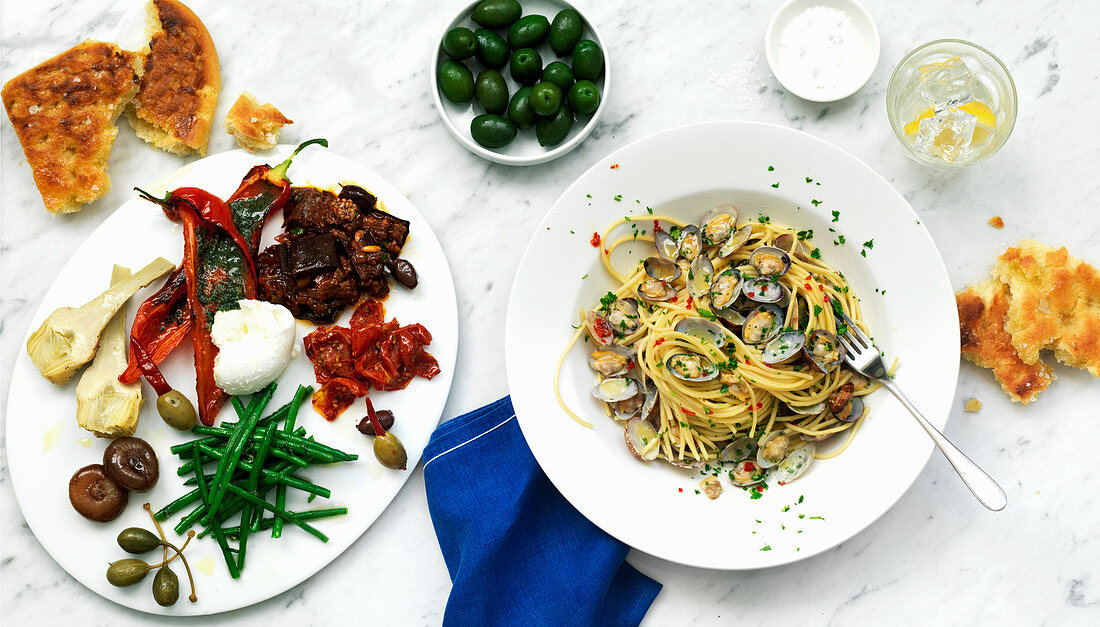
x=174, y=109
x=64, y=111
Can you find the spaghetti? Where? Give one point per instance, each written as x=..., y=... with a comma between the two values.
x=671, y=370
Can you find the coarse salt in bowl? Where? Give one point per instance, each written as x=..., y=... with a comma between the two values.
x=822, y=50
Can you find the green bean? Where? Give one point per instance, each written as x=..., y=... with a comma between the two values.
x=165, y=512
x=278, y=512
x=218, y=536
x=309, y=514
x=288, y=427
x=238, y=407
x=186, y=448
x=233, y=450
x=252, y=486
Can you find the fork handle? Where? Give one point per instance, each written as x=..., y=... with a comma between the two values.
x=984, y=488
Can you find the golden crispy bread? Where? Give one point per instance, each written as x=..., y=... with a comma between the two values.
x=254, y=127
x=64, y=113
x=1055, y=304
x=175, y=107
x=982, y=310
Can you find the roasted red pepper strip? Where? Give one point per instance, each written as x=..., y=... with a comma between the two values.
x=161, y=323
x=263, y=193
x=216, y=211
x=217, y=278
x=149, y=369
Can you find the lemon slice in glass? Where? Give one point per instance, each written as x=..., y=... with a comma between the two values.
x=985, y=115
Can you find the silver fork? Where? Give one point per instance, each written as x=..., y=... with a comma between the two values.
x=862, y=355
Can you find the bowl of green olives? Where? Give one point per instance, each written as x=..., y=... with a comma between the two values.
x=520, y=83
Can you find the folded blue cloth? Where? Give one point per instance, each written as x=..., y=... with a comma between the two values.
x=517, y=551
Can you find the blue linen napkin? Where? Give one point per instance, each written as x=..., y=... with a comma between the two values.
x=518, y=553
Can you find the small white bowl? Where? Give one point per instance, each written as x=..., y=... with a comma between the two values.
x=836, y=83
x=525, y=149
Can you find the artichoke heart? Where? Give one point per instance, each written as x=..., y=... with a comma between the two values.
x=105, y=406
x=69, y=336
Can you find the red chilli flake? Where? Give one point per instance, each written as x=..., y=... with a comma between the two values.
x=614, y=166
x=759, y=405
x=681, y=489
x=657, y=226
x=820, y=287
x=689, y=302
x=749, y=466
x=759, y=488
x=747, y=360
x=595, y=240
x=659, y=342
x=827, y=298
x=688, y=411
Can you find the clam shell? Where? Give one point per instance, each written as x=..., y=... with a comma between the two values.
x=823, y=351
x=731, y=316
x=661, y=268
x=611, y=361
x=785, y=347
x=667, y=247
x=764, y=290
x=770, y=261
x=710, y=333
x=747, y=473
x=738, y=450
x=691, y=367
x=762, y=324
x=599, y=329
x=656, y=290
x=623, y=316
x=773, y=448
x=699, y=276
x=639, y=433
x=718, y=224
x=725, y=288
x=615, y=389
x=795, y=464
x=852, y=411
x=736, y=240
x=691, y=243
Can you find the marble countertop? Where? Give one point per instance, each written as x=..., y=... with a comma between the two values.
x=355, y=73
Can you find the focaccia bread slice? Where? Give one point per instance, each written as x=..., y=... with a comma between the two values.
x=982, y=311
x=1054, y=304
x=174, y=108
x=64, y=111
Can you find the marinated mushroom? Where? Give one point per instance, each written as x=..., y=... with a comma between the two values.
x=132, y=464
x=95, y=496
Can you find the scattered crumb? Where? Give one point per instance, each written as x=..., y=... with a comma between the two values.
x=972, y=406
x=996, y=222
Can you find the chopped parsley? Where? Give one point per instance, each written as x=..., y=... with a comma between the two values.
x=775, y=184
x=815, y=202
x=763, y=219
x=836, y=216
x=589, y=195
x=766, y=547
x=805, y=235
x=839, y=240
x=816, y=253
x=817, y=310
x=606, y=300
x=618, y=198
x=584, y=277
x=771, y=168
x=809, y=180
x=706, y=313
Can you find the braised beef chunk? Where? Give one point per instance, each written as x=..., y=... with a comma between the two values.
x=333, y=250
x=318, y=211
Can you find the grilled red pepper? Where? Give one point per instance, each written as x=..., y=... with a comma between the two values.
x=218, y=275
x=161, y=323
x=263, y=193
x=215, y=211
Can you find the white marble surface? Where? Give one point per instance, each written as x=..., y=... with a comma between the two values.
x=355, y=73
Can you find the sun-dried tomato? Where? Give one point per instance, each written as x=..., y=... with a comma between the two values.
x=329, y=348
x=337, y=395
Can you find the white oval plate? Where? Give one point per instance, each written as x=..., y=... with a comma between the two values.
x=45, y=445
x=683, y=172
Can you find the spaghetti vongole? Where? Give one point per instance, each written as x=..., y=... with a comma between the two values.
x=722, y=347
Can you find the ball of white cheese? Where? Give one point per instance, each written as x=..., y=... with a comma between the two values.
x=255, y=343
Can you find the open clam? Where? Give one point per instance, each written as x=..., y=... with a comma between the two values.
x=615, y=389
x=689, y=464
x=639, y=434
x=808, y=410
x=774, y=448
x=667, y=246
x=762, y=324
x=738, y=450
x=770, y=261
x=707, y=332
x=783, y=348
x=795, y=464
x=786, y=241
x=823, y=351
x=691, y=242
x=661, y=268
x=612, y=361
x=736, y=240
x=729, y=315
x=765, y=290
x=851, y=411
x=691, y=367
x=700, y=273
x=656, y=290
x=725, y=288
x=599, y=329
x=623, y=316
x=747, y=473
x=718, y=224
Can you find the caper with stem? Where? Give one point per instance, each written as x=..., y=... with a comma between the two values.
x=127, y=572
x=387, y=448
x=179, y=552
x=166, y=587
x=137, y=540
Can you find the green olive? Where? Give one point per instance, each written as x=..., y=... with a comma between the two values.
x=166, y=587
x=456, y=81
x=497, y=13
x=528, y=31
x=552, y=130
x=176, y=410
x=520, y=112
x=390, y=452
x=565, y=31
x=137, y=540
x=491, y=91
x=126, y=572
x=459, y=43
x=587, y=60
x=492, y=131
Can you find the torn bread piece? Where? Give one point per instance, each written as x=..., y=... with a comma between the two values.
x=255, y=127
x=982, y=311
x=1054, y=304
x=64, y=111
x=174, y=109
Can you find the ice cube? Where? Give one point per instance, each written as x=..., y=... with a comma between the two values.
x=947, y=134
x=947, y=84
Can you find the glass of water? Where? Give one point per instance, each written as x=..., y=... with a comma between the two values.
x=951, y=103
